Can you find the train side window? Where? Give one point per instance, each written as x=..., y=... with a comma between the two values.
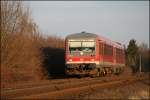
x=101, y=49
x=105, y=49
x=119, y=54
x=108, y=50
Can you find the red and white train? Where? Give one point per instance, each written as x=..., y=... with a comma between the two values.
x=90, y=54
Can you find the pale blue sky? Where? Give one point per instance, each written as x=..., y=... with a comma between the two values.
x=117, y=20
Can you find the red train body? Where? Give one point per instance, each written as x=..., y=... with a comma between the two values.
x=90, y=54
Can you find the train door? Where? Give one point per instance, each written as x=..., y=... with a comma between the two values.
x=114, y=56
x=101, y=53
x=101, y=59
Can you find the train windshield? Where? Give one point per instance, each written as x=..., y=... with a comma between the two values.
x=82, y=48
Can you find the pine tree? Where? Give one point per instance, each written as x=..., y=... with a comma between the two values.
x=132, y=55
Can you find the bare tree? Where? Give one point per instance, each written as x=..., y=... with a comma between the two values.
x=10, y=12
x=143, y=57
x=21, y=42
x=19, y=39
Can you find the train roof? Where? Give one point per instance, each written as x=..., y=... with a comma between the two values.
x=85, y=35
x=110, y=42
x=82, y=35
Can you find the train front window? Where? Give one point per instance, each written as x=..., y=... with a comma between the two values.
x=82, y=48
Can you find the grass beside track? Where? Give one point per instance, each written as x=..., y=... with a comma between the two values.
x=52, y=89
x=70, y=93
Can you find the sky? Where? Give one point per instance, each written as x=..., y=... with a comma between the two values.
x=119, y=21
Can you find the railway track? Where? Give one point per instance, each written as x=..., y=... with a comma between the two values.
x=68, y=88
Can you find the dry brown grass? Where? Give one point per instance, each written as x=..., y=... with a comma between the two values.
x=22, y=56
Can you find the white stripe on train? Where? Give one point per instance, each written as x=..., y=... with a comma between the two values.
x=96, y=62
x=85, y=62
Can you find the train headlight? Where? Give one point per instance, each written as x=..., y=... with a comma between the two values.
x=92, y=59
x=81, y=53
x=70, y=59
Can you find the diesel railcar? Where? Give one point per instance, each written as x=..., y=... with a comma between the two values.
x=93, y=55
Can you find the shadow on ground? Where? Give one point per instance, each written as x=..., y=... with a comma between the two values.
x=54, y=62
